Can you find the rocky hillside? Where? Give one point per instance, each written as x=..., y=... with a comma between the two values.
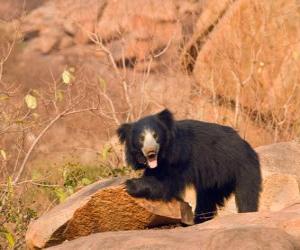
x=72, y=71
x=218, y=54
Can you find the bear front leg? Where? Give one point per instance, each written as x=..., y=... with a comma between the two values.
x=149, y=188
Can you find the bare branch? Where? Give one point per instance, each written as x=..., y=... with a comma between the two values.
x=112, y=107
x=41, y=134
x=98, y=41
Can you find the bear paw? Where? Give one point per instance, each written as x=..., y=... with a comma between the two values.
x=132, y=187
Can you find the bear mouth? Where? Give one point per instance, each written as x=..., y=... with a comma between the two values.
x=152, y=159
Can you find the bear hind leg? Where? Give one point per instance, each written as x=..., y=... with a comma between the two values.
x=206, y=209
x=247, y=195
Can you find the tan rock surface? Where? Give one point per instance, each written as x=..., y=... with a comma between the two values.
x=279, y=191
x=283, y=157
x=40, y=231
x=262, y=230
x=250, y=56
x=130, y=29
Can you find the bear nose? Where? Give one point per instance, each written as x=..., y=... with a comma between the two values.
x=149, y=145
x=150, y=149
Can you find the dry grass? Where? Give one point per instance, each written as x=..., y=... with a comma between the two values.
x=251, y=61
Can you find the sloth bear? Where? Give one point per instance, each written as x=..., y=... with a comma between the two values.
x=210, y=159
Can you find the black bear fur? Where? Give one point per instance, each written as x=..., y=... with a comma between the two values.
x=212, y=157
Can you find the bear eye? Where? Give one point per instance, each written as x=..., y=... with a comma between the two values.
x=155, y=136
x=142, y=138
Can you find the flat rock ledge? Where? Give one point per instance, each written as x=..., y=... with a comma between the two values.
x=247, y=231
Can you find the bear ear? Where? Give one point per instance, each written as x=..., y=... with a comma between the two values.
x=123, y=131
x=166, y=117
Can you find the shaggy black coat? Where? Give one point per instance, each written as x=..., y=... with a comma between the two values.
x=212, y=157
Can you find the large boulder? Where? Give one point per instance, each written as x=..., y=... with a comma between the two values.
x=251, y=58
x=280, y=164
x=263, y=230
x=133, y=31
x=278, y=191
x=103, y=206
x=283, y=157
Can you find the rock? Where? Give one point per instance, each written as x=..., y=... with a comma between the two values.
x=66, y=42
x=130, y=29
x=136, y=30
x=122, y=16
x=98, y=208
x=279, y=191
x=211, y=14
x=40, y=231
x=114, y=210
x=103, y=206
x=68, y=18
x=240, y=62
x=283, y=157
x=262, y=230
x=280, y=164
x=16, y=8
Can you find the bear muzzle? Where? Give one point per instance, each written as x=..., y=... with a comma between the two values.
x=150, y=149
x=151, y=159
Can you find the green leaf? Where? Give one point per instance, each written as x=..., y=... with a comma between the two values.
x=30, y=101
x=3, y=154
x=70, y=190
x=105, y=152
x=61, y=194
x=67, y=77
x=85, y=181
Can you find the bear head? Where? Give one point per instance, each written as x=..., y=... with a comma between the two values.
x=147, y=140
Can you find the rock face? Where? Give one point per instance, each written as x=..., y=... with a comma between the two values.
x=281, y=157
x=103, y=206
x=133, y=30
x=213, y=11
x=15, y=8
x=263, y=230
x=246, y=57
x=280, y=164
x=278, y=192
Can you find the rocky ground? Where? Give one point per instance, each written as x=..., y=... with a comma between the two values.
x=93, y=210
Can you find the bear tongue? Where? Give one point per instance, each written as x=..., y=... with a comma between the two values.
x=152, y=163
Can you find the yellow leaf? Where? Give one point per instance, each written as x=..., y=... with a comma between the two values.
x=3, y=154
x=102, y=84
x=59, y=96
x=3, y=97
x=30, y=101
x=67, y=77
x=10, y=239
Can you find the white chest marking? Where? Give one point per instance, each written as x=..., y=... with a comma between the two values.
x=189, y=195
